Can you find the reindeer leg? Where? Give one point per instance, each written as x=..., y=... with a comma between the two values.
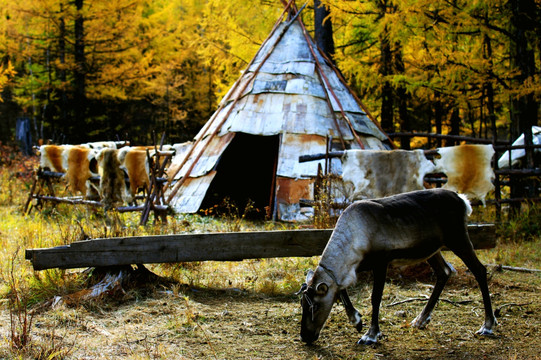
x=371, y=336
x=467, y=255
x=352, y=313
x=443, y=271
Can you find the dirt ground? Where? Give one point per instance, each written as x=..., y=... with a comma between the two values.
x=179, y=322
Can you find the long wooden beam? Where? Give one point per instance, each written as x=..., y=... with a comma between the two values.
x=201, y=247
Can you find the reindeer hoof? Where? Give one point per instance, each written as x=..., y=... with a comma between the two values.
x=368, y=339
x=359, y=326
x=419, y=323
x=484, y=331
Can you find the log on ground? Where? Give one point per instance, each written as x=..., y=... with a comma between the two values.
x=234, y=246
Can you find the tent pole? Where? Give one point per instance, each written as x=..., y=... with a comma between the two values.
x=361, y=104
x=332, y=112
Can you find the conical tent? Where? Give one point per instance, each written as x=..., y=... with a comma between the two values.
x=287, y=103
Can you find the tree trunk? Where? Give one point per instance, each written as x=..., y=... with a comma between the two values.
x=523, y=108
x=455, y=125
x=80, y=67
x=438, y=118
x=489, y=90
x=62, y=72
x=402, y=98
x=385, y=70
x=323, y=29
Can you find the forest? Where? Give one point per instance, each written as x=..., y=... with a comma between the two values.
x=94, y=70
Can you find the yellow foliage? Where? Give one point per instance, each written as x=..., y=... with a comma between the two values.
x=183, y=55
x=6, y=73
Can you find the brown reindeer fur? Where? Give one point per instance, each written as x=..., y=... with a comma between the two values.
x=468, y=169
x=137, y=165
x=112, y=185
x=134, y=161
x=78, y=169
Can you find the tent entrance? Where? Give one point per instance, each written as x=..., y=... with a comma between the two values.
x=246, y=172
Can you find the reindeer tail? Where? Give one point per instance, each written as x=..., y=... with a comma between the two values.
x=467, y=202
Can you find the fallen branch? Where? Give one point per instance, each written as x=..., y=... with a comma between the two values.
x=514, y=268
x=498, y=311
x=457, y=303
x=408, y=300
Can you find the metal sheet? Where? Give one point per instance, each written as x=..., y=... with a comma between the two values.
x=211, y=153
x=180, y=153
x=291, y=48
x=301, y=85
x=294, y=145
x=291, y=191
x=280, y=113
x=288, y=193
x=192, y=193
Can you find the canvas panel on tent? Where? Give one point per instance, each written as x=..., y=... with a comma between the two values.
x=281, y=107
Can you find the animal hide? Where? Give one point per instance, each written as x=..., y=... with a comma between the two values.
x=112, y=185
x=517, y=155
x=379, y=173
x=98, y=145
x=79, y=168
x=52, y=158
x=135, y=162
x=468, y=169
x=77, y=162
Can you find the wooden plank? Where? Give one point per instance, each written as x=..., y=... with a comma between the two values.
x=200, y=247
x=181, y=248
x=483, y=236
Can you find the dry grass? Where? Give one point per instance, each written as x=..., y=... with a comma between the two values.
x=244, y=310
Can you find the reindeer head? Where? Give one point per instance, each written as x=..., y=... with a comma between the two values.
x=317, y=298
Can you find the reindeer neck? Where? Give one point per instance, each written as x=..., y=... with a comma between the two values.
x=330, y=273
x=342, y=253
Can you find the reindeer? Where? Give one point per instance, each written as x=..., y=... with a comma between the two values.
x=370, y=234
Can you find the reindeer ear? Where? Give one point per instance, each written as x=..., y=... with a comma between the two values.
x=309, y=276
x=321, y=289
x=303, y=288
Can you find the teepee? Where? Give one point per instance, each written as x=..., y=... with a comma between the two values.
x=288, y=102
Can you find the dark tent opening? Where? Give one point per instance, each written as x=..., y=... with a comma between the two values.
x=246, y=172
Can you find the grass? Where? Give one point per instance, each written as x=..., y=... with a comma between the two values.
x=24, y=292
